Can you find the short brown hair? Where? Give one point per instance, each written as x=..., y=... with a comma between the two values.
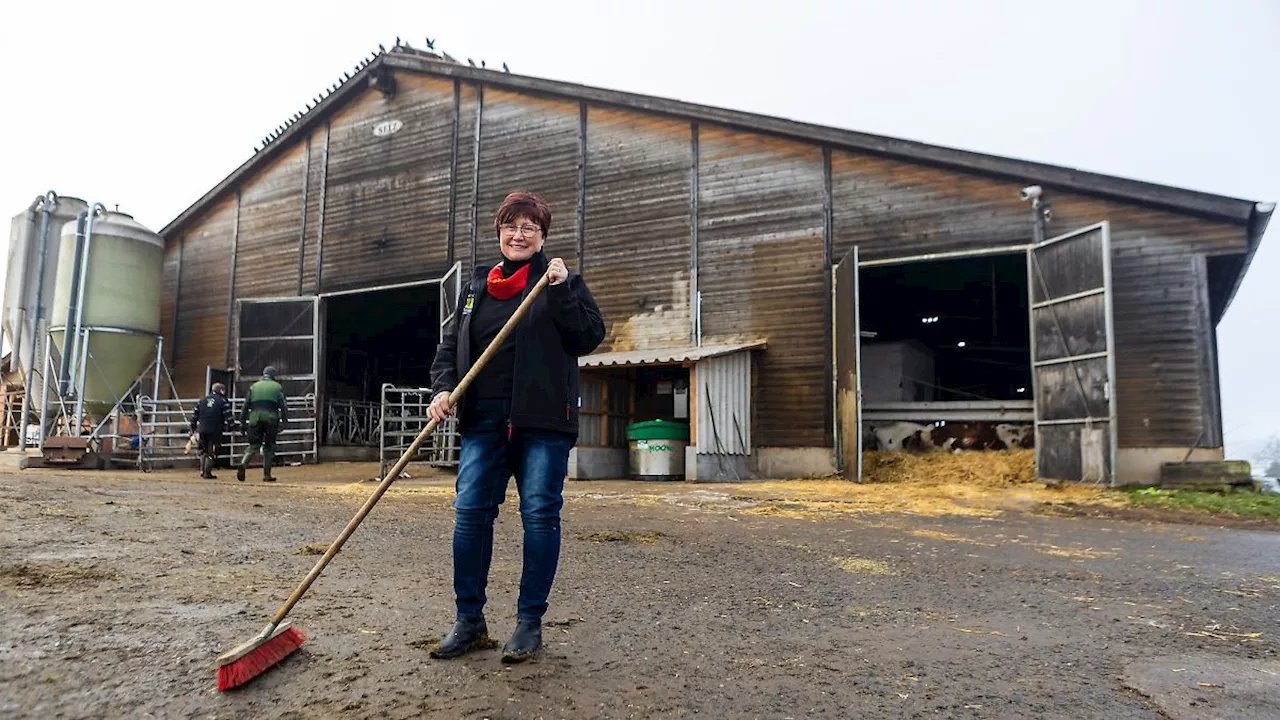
x=530, y=205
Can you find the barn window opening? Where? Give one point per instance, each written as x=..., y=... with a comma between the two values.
x=946, y=341
x=384, y=336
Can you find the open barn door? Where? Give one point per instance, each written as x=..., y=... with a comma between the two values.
x=283, y=332
x=450, y=289
x=846, y=348
x=1073, y=356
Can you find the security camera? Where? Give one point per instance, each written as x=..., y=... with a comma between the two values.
x=1030, y=192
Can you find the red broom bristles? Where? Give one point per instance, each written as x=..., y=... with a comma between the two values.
x=246, y=668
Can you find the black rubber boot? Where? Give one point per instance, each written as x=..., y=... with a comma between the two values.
x=266, y=469
x=463, y=637
x=525, y=642
x=240, y=473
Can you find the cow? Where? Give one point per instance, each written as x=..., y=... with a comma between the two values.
x=947, y=436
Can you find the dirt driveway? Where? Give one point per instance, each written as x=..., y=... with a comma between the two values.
x=118, y=590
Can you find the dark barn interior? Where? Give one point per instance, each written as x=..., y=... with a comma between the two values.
x=386, y=336
x=971, y=314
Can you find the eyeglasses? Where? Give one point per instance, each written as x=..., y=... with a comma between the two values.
x=525, y=230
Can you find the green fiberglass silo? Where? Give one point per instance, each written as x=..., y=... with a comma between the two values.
x=107, y=289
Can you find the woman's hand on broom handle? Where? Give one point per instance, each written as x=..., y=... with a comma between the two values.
x=440, y=408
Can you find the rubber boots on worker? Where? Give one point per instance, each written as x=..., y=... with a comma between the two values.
x=266, y=469
x=240, y=472
x=463, y=637
x=524, y=643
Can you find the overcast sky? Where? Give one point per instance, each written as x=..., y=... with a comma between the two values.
x=149, y=104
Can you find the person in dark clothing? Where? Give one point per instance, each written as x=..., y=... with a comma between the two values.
x=211, y=419
x=519, y=417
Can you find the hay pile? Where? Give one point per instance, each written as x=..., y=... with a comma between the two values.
x=993, y=468
x=978, y=484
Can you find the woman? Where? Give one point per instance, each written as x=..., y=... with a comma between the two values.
x=519, y=417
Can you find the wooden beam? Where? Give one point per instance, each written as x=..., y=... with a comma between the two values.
x=475, y=170
x=302, y=235
x=453, y=172
x=231, y=285
x=177, y=303
x=581, y=226
x=324, y=196
x=694, y=314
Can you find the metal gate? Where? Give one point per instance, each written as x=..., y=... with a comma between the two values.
x=282, y=332
x=404, y=414
x=1073, y=356
x=846, y=345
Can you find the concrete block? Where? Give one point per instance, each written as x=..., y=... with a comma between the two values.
x=804, y=462
x=593, y=463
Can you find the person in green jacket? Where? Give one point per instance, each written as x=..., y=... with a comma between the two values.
x=262, y=417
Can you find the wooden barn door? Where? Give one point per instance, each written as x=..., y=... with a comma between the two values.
x=1073, y=356
x=284, y=333
x=846, y=348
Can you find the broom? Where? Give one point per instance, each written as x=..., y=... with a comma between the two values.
x=278, y=639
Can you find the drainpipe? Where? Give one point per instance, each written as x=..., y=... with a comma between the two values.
x=82, y=336
x=47, y=204
x=68, y=339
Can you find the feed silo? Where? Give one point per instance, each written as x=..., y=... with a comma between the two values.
x=107, y=292
x=29, y=279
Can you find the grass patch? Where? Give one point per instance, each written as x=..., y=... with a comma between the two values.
x=1239, y=504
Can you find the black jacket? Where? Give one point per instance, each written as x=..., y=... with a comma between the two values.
x=212, y=415
x=562, y=324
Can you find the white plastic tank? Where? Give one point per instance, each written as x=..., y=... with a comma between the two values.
x=24, y=294
x=119, y=303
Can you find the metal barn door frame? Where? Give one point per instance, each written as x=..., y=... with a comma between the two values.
x=450, y=289
x=846, y=362
x=1049, y=308
x=307, y=401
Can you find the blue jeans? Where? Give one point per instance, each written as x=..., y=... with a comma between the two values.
x=490, y=456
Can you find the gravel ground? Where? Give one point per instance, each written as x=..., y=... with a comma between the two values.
x=118, y=590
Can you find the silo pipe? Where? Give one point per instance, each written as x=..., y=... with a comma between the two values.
x=47, y=203
x=64, y=371
x=82, y=333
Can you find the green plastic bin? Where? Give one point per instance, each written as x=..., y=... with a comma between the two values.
x=657, y=449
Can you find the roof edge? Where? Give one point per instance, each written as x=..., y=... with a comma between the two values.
x=1258, y=222
x=1193, y=202
x=1205, y=204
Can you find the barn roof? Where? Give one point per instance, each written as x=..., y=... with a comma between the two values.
x=1249, y=214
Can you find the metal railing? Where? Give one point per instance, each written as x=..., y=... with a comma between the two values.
x=352, y=422
x=404, y=413
x=165, y=425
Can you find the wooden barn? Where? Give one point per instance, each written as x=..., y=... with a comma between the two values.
x=793, y=291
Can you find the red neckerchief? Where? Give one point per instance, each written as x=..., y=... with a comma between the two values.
x=507, y=288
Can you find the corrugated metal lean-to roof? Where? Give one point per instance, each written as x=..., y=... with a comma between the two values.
x=667, y=356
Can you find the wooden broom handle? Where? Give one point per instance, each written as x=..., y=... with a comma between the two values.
x=400, y=465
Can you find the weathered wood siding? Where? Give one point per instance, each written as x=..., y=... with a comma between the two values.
x=387, y=198
x=169, y=296
x=311, y=225
x=1166, y=395
x=760, y=260
x=637, y=254
x=528, y=143
x=202, y=298
x=270, y=214
x=379, y=208
x=468, y=106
